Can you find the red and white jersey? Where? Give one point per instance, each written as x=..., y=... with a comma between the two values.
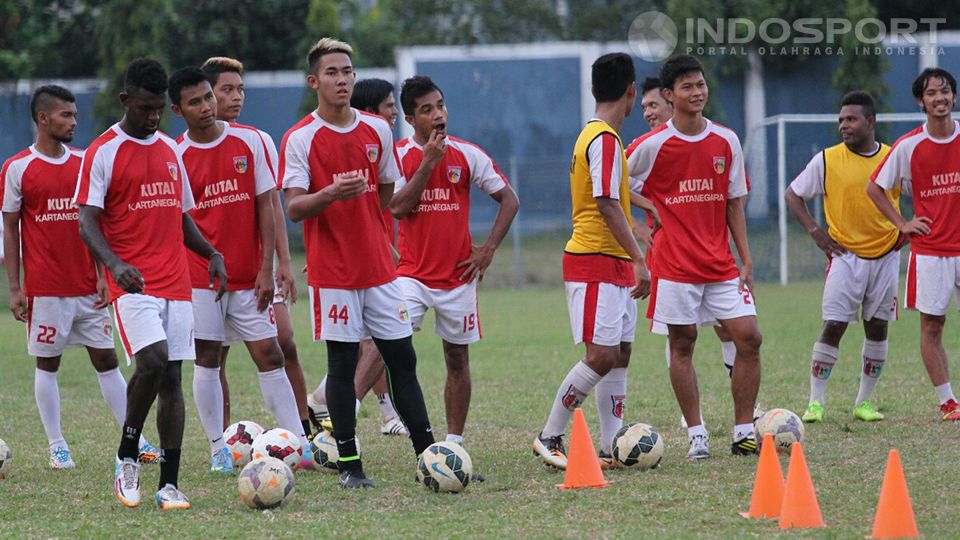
x=273, y=158
x=226, y=175
x=139, y=184
x=689, y=180
x=929, y=170
x=347, y=242
x=56, y=262
x=435, y=236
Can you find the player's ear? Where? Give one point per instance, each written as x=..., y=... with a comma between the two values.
x=408, y=119
x=176, y=110
x=124, y=97
x=312, y=81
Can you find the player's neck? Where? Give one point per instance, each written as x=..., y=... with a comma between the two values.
x=228, y=120
x=868, y=146
x=49, y=146
x=340, y=116
x=206, y=134
x=690, y=124
x=940, y=127
x=130, y=130
x=611, y=113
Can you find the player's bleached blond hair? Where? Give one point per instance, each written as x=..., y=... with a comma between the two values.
x=216, y=65
x=326, y=46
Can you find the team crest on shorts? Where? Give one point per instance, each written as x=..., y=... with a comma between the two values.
x=719, y=164
x=107, y=329
x=453, y=174
x=373, y=152
x=402, y=312
x=173, y=170
x=240, y=164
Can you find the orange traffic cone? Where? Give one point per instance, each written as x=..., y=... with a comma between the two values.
x=894, y=517
x=800, y=509
x=767, y=484
x=583, y=467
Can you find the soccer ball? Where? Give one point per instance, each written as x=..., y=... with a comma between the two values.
x=6, y=458
x=638, y=446
x=266, y=483
x=444, y=467
x=278, y=443
x=325, y=453
x=785, y=427
x=239, y=438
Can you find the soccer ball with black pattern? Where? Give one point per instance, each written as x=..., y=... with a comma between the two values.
x=266, y=483
x=638, y=446
x=239, y=438
x=325, y=453
x=278, y=443
x=784, y=425
x=6, y=459
x=444, y=467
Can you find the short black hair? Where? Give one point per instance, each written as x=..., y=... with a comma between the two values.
x=649, y=83
x=184, y=77
x=922, y=80
x=415, y=88
x=44, y=96
x=611, y=75
x=368, y=94
x=863, y=99
x=145, y=73
x=677, y=66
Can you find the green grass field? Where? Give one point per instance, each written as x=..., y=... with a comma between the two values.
x=516, y=370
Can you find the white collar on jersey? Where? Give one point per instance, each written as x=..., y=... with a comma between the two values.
x=353, y=125
x=211, y=144
x=145, y=142
x=956, y=131
x=53, y=161
x=691, y=138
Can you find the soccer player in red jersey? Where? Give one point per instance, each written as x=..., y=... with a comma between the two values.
x=233, y=187
x=693, y=171
x=226, y=76
x=63, y=299
x=338, y=167
x=925, y=164
x=134, y=196
x=440, y=267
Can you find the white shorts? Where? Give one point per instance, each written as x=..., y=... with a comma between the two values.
x=853, y=283
x=234, y=318
x=601, y=313
x=144, y=320
x=343, y=314
x=57, y=323
x=931, y=283
x=458, y=317
x=692, y=303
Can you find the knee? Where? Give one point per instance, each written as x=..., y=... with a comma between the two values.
x=51, y=365
x=751, y=342
x=875, y=329
x=832, y=332
x=457, y=358
x=931, y=326
x=150, y=365
x=272, y=359
x=289, y=348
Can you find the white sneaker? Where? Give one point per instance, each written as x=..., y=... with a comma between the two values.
x=60, y=458
x=126, y=485
x=171, y=498
x=394, y=426
x=699, y=447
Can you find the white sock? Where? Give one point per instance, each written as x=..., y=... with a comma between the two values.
x=742, y=431
x=320, y=394
x=114, y=390
x=386, y=407
x=278, y=395
x=824, y=358
x=574, y=389
x=945, y=392
x=454, y=438
x=610, y=394
x=729, y=351
x=666, y=352
x=47, y=393
x=697, y=430
x=208, y=395
x=874, y=355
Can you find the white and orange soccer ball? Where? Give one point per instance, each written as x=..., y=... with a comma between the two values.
x=784, y=425
x=278, y=443
x=266, y=483
x=6, y=459
x=239, y=438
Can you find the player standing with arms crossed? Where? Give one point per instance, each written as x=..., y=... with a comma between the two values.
x=603, y=266
x=925, y=164
x=862, y=247
x=134, y=196
x=63, y=300
x=693, y=171
x=338, y=167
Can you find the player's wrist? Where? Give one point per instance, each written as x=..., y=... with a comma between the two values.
x=215, y=254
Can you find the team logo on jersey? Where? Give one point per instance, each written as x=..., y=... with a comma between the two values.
x=402, y=312
x=173, y=170
x=453, y=174
x=240, y=164
x=719, y=164
x=373, y=152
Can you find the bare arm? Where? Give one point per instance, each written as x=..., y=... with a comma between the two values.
x=919, y=225
x=616, y=221
x=196, y=243
x=385, y=192
x=823, y=240
x=263, y=289
x=284, y=264
x=126, y=276
x=11, y=249
x=737, y=223
x=481, y=257
x=405, y=200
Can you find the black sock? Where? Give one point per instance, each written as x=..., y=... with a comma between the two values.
x=169, y=467
x=401, y=361
x=306, y=428
x=349, y=456
x=129, y=443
